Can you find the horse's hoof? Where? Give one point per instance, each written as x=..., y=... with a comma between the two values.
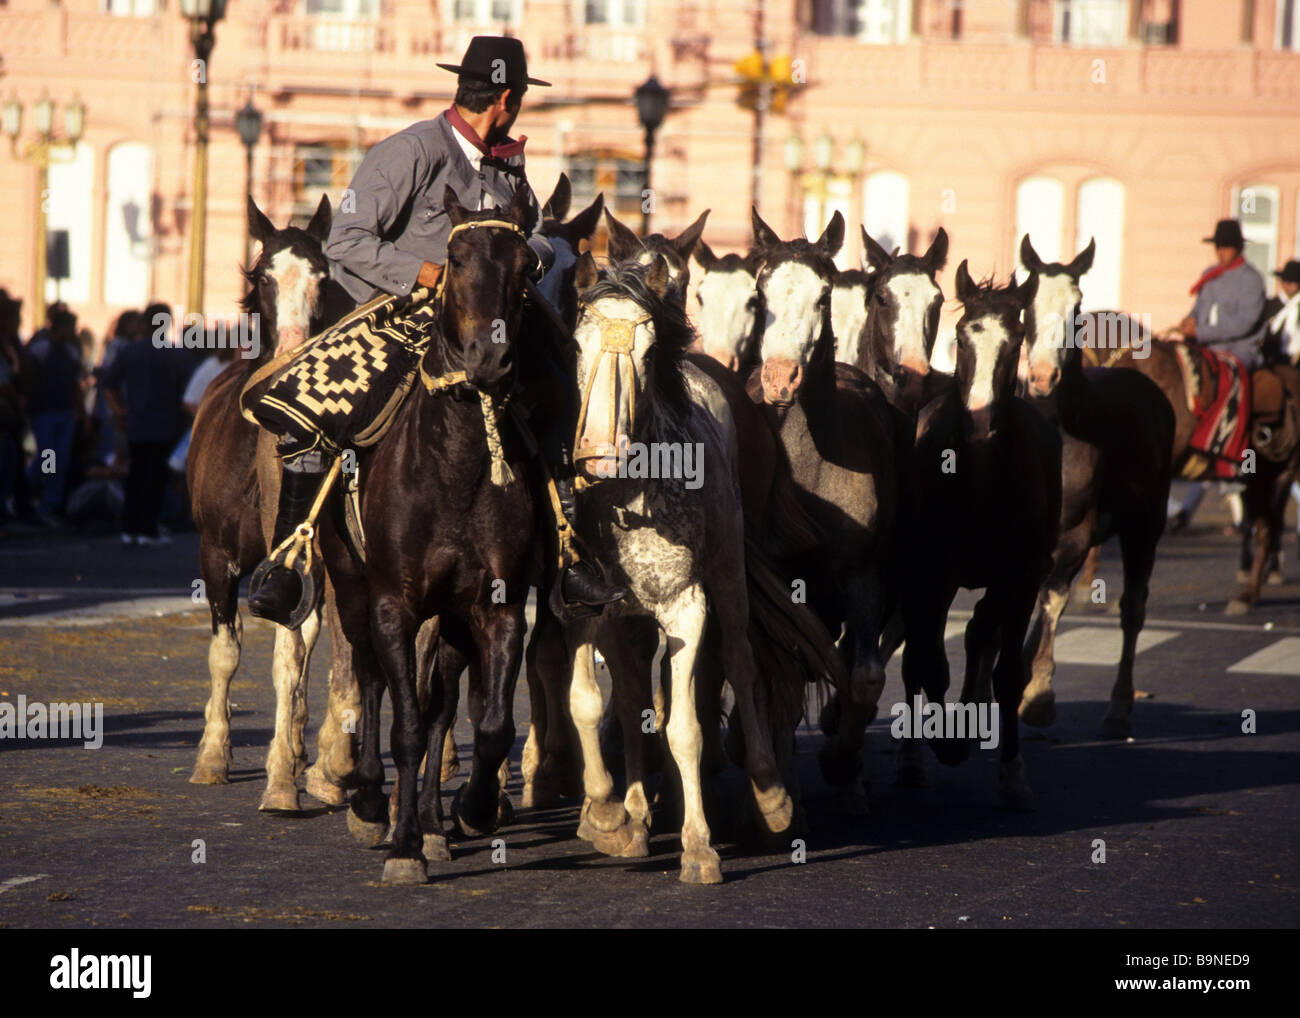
x=1275, y=579
x=210, y=774
x=470, y=827
x=1013, y=787
x=279, y=800
x=365, y=833
x=601, y=818
x=775, y=809
x=505, y=811
x=1237, y=606
x=1040, y=711
x=639, y=846
x=951, y=752
x=435, y=848
x=322, y=789
x=406, y=872
x=851, y=800
x=1116, y=728
x=701, y=867
x=1243, y=575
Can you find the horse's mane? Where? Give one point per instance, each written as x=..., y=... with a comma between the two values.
x=665, y=359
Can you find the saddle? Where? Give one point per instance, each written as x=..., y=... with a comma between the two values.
x=1275, y=416
x=1219, y=397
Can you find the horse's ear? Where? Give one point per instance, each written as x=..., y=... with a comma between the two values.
x=319, y=227
x=832, y=238
x=520, y=205
x=705, y=256
x=937, y=256
x=623, y=243
x=877, y=256
x=966, y=288
x=557, y=205
x=1083, y=260
x=456, y=212
x=585, y=274
x=658, y=276
x=259, y=227
x=685, y=241
x=584, y=224
x=1028, y=256
x=765, y=237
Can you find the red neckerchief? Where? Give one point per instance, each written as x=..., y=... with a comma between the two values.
x=1216, y=272
x=506, y=151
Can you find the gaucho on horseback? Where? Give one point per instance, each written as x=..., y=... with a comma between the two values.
x=388, y=249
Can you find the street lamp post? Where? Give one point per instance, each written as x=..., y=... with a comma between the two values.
x=651, y=108
x=792, y=150
x=248, y=121
x=203, y=16
x=41, y=152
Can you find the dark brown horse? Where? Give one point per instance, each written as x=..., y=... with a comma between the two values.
x=839, y=436
x=626, y=246
x=290, y=297
x=985, y=507
x=1117, y=433
x=451, y=531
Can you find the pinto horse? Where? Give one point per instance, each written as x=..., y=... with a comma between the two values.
x=290, y=297
x=840, y=439
x=985, y=509
x=728, y=315
x=1117, y=433
x=626, y=246
x=451, y=531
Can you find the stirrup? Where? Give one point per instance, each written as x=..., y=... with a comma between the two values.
x=307, y=567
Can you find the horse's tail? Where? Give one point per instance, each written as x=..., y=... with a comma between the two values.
x=791, y=647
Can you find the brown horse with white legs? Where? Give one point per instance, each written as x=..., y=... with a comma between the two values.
x=290, y=297
x=1117, y=434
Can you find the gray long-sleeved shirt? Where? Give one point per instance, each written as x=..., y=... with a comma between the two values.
x=1229, y=312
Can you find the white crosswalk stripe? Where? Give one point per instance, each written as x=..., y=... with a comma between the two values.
x=1280, y=658
x=1097, y=645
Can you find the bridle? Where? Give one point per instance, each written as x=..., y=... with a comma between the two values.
x=501, y=472
x=617, y=336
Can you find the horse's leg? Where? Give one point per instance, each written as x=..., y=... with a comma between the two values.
x=925, y=664
x=684, y=622
x=336, y=742
x=1258, y=511
x=631, y=688
x=1138, y=548
x=309, y=632
x=450, y=661
x=498, y=632
x=288, y=667
x=1038, y=706
x=604, y=821
x=1087, y=574
x=368, y=812
x=393, y=630
x=212, y=764
x=549, y=770
x=1017, y=606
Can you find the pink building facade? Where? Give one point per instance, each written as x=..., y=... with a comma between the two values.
x=1138, y=122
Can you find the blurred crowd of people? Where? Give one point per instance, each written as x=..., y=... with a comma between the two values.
x=93, y=434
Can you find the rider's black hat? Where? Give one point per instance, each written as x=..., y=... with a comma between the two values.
x=1290, y=272
x=1227, y=233
x=498, y=59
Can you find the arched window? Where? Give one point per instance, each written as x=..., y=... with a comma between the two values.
x=1040, y=211
x=884, y=209
x=128, y=232
x=72, y=211
x=1101, y=216
x=1256, y=205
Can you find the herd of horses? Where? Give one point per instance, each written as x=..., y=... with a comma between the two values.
x=848, y=491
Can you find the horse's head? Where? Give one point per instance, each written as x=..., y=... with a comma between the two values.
x=287, y=282
x=626, y=246
x=989, y=336
x=482, y=288
x=632, y=338
x=850, y=290
x=904, y=318
x=728, y=298
x=566, y=239
x=794, y=286
x=1051, y=313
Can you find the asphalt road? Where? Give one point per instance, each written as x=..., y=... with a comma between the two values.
x=1199, y=819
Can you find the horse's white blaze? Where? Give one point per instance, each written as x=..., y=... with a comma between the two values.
x=913, y=296
x=587, y=335
x=565, y=259
x=794, y=317
x=297, y=285
x=987, y=342
x=848, y=319
x=1054, y=304
x=726, y=319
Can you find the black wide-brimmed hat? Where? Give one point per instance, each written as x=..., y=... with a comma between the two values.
x=498, y=59
x=1227, y=233
x=1290, y=272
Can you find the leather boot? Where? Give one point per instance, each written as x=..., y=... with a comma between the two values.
x=581, y=582
x=281, y=590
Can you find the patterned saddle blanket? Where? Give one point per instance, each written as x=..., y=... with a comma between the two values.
x=1218, y=395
